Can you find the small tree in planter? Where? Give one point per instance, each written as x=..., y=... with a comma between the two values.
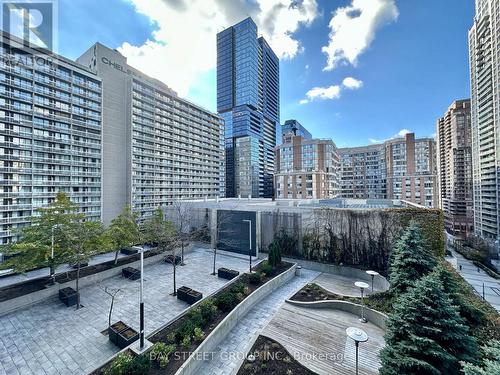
x=274, y=257
x=124, y=231
x=87, y=239
x=162, y=232
x=112, y=293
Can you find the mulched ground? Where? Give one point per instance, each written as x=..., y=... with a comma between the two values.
x=381, y=301
x=271, y=358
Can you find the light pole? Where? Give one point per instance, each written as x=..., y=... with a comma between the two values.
x=250, y=242
x=358, y=335
x=372, y=274
x=140, y=250
x=52, y=270
x=362, y=286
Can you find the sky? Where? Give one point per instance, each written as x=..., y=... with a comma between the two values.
x=356, y=71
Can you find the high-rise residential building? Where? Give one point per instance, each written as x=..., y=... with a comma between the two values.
x=157, y=147
x=484, y=56
x=50, y=134
x=363, y=172
x=411, y=170
x=295, y=127
x=248, y=101
x=306, y=168
x=454, y=161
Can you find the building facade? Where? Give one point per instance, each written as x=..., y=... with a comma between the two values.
x=411, y=170
x=484, y=63
x=50, y=134
x=157, y=147
x=248, y=101
x=454, y=160
x=363, y=172
x=296, y=128
x=306, y=168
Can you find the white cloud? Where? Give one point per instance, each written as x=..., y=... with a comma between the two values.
x=331, y=92
x=184, y=45
x=399, y=134
x=353, y=29
x=322, y=93
x=352, y=83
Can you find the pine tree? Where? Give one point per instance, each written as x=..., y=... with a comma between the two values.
x=425, y=333
x=490, y=361
x=409, y=260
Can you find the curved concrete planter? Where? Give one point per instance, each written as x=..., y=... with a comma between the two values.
x=380, y=282
x=194, y=361
x=373, y=316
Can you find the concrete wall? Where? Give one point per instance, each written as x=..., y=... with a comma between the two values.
x=52, y=291
x=380, y=282
x=193, y=363
x=372, y=316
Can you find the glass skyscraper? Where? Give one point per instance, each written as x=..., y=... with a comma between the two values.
x=248, y=101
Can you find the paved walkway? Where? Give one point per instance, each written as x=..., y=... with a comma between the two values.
x=342, y=285
x=230, y=352
x=316, y=337
x=50, y=338
x=477, y=278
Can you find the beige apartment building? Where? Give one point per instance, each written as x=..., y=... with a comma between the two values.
x=454, y=160
x=411, y=170
x=306, y=168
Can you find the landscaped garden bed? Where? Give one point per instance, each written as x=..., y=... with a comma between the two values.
x=381, y=301
x=174, y=343
x=268, y=357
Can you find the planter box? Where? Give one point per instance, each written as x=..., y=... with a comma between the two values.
x=115, y=329
x=228, y=274
x=126, y=337
x=128, y=251
x=188, y=295
x=82, y=264
x=170, y=259
x=131, y=273
x=68, y=296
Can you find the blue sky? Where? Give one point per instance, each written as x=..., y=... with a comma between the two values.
x=414, y=65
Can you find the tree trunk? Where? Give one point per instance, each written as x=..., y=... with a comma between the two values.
x=78, y=286
x=116, y=256
x=182, y=253
x=175, y=288
x=110, y=312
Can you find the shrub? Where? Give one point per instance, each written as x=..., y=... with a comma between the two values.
x=267, y=269
x=161, y=353
x=226, y=301
x=238, y=287
x=199, y=335
x=171, y=337
x=185, y=329
x=196, y=317
x=186, y=341
x=208, y=309
x=125, y=364
x=255, y=278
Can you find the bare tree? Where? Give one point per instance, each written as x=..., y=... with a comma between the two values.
x=112, y=293
x=183, y=214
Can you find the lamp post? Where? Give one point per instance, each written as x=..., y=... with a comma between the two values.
x=372, y=274
x=358, y=335
x=140, y=250
x=362, y=286
x=52, y=270
x=250, y=242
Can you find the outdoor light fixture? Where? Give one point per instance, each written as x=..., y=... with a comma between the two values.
x=358, y=335
x=140, y=250
x=372, y=274
x=250, y=241
x=362, y=286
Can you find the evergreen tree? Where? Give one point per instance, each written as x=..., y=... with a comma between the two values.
x=409, y=260
x=425, y=333
x=490, y=361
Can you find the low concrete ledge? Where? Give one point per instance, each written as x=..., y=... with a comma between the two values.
x=380, y=282
x=14, y=304
x=373, y=316
x=209, y=345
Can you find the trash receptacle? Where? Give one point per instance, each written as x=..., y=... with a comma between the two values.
x=298, y=271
